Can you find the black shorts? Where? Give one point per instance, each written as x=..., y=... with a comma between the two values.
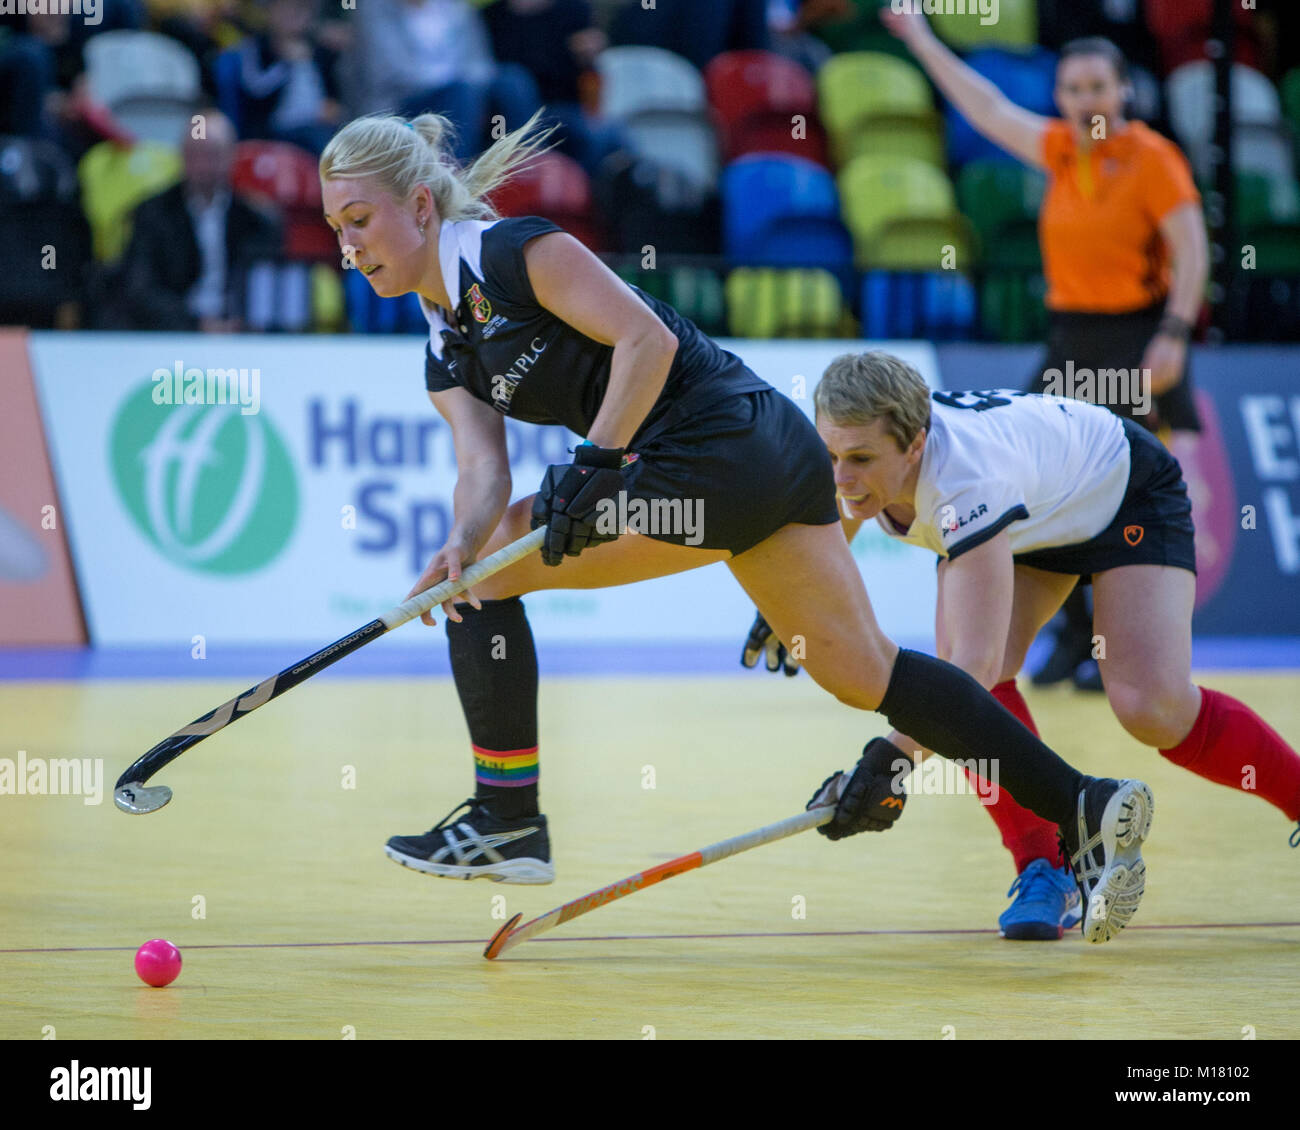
x=1153, y=525
x=1116, y=341
x=749, y=463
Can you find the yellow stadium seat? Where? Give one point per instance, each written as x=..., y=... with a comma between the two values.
x=876, y=191
x=923, y=245
x=328, y=310
x=895, y=135
x=1014, y=24
x=860, y=85
x=763, y=302
x=114, y=179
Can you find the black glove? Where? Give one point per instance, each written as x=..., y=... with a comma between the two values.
x=762, y=638
x=870, y=799
x=568, y=502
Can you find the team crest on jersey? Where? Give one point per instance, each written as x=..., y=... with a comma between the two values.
x=479, y=306
x=1133, y=534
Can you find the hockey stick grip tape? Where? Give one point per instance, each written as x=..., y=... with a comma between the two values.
x=421, y=602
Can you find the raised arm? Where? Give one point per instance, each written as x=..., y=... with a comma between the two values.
x=992, y=113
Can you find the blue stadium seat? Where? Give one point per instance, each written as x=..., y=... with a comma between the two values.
x=1026, y=78
x=762, y=189
x=936, y=305
x=370, y=314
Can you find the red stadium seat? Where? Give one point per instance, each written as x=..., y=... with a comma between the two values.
x=754, y=95
x=286, y=178
x=1182, y=26
x=555, y=187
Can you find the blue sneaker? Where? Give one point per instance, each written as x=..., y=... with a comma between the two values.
x=1047, y=904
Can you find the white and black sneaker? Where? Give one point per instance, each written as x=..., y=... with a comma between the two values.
x=1105, y=850
x=479, y=845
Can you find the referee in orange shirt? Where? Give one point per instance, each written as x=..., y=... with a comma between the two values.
x=1124, y=248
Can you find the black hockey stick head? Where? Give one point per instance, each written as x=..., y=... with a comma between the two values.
x=137, y=798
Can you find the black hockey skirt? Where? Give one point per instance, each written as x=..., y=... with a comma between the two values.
x=741, y=465
x=1153, y=525
x=1116, y=341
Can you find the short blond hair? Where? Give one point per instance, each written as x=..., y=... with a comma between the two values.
x=858, y=388
x=402, y=156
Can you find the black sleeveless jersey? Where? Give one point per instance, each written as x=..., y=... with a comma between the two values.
x=514, y=354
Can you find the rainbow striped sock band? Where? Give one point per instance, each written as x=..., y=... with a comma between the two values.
x=505, y=768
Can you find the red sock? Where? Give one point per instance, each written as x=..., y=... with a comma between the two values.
x=1232, y=745
x=1026, y=836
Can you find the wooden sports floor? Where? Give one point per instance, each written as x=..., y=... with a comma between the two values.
x=270, y=876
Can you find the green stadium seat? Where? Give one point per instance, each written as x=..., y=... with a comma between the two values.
x=1012, y=310
x=763, y=302
x=697, y=293
x=1016, y=26
x=1277, y=249
x=995, y=195
x=1289, y=88
x=861, y=31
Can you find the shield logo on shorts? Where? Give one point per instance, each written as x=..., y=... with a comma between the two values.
x=1133, y=534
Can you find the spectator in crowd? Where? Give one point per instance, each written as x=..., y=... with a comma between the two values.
x=697, y=31
x=287, y=84
x=414, y=56
x=26, y=79
x=790, y=21
x=557, y=41
x=191, y=245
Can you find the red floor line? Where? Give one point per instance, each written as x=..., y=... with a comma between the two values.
x=634, y=937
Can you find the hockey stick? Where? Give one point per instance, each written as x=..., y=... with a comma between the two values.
x=130, y=793
x=508, y=936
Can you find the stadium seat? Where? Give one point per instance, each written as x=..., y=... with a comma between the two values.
x=328, y=306
x=114, y=179
x=895, y=135
x=285, y=177
x=1289, y=90
x=1182, y=27
x=878, y=191
x=860, y=29
x=697, y=293
x=862, y=85
x=556, y=187
x=680, y=140
x=758, y=92
x=920, y=244
x=763, y=302
x=1014, y=24
x=148, y=82
x=649, y=205
x=368, y=313
x=634, y=80
x=760, y=190
x=935, y=305
x=1027, y=78
x=1189, y=92
x=996, y=196
x=1012, y=308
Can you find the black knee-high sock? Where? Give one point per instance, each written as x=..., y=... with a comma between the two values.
x=495, y=667
x=946, y=710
